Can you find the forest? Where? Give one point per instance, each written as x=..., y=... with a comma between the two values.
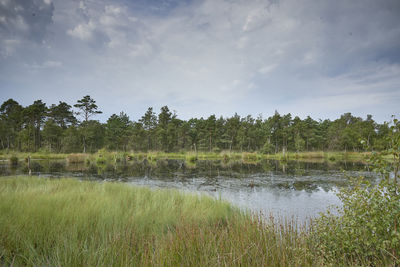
x=69, y=129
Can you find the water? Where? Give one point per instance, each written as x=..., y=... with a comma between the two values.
x=293, y=189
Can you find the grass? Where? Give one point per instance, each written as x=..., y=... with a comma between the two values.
x=320, y=156
x=192, y=157
x=67, y=222
x=76, y=158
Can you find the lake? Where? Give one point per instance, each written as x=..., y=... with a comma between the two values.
x=284, y=189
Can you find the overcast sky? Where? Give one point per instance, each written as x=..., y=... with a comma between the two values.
x=306, y=57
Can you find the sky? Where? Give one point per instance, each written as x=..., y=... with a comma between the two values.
x=200, y=57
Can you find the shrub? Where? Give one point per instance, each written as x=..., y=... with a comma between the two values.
x=192, y=158
x=101, y=161
x=226, y=158
x=13, y=161
x=366, y=228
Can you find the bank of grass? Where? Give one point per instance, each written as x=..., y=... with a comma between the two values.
x=320, y=156
x=67, y=222
x=5, y=155
x=103, y=156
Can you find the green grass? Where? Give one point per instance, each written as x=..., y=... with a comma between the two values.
x=67, y=222
x=115, y=156
x=4, y=155
x=320, y=156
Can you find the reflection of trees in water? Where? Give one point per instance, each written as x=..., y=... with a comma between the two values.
x=216, y=169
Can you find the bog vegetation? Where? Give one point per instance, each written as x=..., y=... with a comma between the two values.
x=60, y=129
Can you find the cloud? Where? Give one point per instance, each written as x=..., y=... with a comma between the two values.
x=214, y=56
x=25, y=18
x=83, y=31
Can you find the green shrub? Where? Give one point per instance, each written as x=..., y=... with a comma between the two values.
x=366, y=229
x=13, y=161
x=101, y=161
x=192, y=158
x=226, y=158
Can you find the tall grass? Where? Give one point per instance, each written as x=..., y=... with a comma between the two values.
x=76, y=158
x=34, y=155
x=71, y=223
x=66, y=222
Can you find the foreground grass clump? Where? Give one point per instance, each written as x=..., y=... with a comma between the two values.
x=71, y=223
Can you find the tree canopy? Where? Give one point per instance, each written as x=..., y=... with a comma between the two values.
x=55, y=128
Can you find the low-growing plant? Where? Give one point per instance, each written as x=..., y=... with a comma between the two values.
x=101, y=161
x=13, y=161
x=366, y=229
x=192, y=158
x=226, y=158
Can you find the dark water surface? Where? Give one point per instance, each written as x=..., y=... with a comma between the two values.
x=291, y=189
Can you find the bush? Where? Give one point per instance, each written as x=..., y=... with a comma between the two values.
x=226, y=158
x=366, y=228
x=13, y=161
x=101, y=161
x=192, y=158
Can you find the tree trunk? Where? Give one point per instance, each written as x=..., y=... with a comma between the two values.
x=84, y=145
x=210, y=142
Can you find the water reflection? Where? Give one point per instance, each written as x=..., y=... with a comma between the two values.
x=299, y=189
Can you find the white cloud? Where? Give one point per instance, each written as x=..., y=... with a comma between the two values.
x=113, y=10
x=83, y=31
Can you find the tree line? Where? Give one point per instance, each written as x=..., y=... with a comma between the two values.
x=58, y=128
